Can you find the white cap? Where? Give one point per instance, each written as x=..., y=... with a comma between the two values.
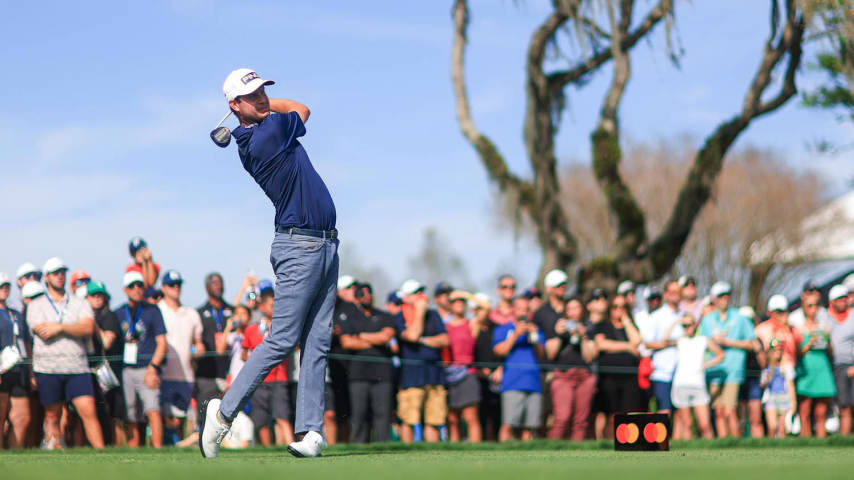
x=777, y=303
x=747, y=312
x=53, y=265
x=32, y=289
x=849, y=282
x=26, y=269
x=4, y=279
x=345, y=281
x=555, y=278
x=411, y=286
x=837, y=292
x=720, y=288
x=479, y=299
x=706, y=301
x=242, y=81
x=625, y=287
x=130, y=277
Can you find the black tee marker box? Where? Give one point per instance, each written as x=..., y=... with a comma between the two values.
x=641, y=432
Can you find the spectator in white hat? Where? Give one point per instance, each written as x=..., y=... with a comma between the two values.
x=626, y=288
x=842, y=346
x=552, y=310
x=144, y=356
x=810, y=295
x=848, y=283
x=336, y=423
x=62, y=323
x=421, y=336
x=735, y=335
x=30, y=291
x=15, y=380
x=26, y=273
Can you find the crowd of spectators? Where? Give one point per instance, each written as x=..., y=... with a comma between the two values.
x=427, y=365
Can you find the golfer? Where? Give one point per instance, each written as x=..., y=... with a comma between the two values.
x=304, y=256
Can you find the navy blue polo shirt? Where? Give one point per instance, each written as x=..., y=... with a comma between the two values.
x=425, y=367
x=143, y=326
x=271, y=153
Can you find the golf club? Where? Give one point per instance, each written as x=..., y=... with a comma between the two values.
x=220, y=135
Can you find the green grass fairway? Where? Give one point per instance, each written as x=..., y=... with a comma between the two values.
x=728, y=460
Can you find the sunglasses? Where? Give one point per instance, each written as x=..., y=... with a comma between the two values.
x=81, y=282
x=33, y=276
x=618, y=307
x=811, y=305
x=507, y=287
x=174, y=285
x=136, y=285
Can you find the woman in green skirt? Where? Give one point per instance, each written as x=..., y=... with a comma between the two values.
x=814, y=377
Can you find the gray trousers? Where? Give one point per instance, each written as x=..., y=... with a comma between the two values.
x=306, y=278
x=375, y=397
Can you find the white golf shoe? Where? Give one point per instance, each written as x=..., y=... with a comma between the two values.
x=211, y=429
x=309, y=446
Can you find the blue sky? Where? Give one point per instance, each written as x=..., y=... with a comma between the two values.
x=108, y=109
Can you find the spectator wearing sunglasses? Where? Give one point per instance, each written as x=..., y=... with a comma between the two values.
x=144, y=354
x=690, y=303
x=143, y=263
x=26, y=273
x=109, y=342
x=61, y=324
x=810, y=294
x=503, y=313
x=79, y=279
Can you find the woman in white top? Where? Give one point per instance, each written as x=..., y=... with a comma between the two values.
x=689, y=380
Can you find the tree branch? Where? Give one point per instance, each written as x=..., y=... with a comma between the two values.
x=709, y=160
x=631, y=224
x=561, y=78
x=491, y=158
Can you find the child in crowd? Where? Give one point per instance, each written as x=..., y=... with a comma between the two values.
x=778, y=396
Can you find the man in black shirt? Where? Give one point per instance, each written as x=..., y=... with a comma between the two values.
x=212, y=370
x=345, y=309
x=109, y=343
x=370, y=380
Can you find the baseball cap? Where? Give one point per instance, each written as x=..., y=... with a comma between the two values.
x=96, y=286
x=345, y=282
x=4, y=279
x=265, y=285
x=625, y=287
x=459, y=295
x=441, y=288
x=393, y=298
x=411, y=286
x=172, y=277
x=555, y=278
x=778, y=303
x=479, y=300
x=131, y=277
x=242, y=81
x=152, y=292
x=837, y=292
x=54, y=264
x=135, y=244
x=596, y=294
x=78, y=275
x=651, y=292
x=32, y=289
x=748, y=312
x=720, y=289
x=686, y=279
x=849, y=282
x=27, y=269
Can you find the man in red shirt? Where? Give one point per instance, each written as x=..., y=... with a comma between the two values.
x=272, y=399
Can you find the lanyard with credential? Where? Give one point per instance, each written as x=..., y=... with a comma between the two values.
x=59, y=313
x=12, y=321
x=217, y=316
x=132, y=324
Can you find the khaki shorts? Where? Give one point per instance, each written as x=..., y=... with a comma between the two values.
x=724, y=395
x=432, y=399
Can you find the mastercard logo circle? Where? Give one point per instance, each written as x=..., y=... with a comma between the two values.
x=627, y=433
x=655, y=432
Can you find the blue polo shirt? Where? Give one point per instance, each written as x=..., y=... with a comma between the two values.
x=421, y=365
x=271, y=153
x=521, y=368
x=736, y=327
x=143, y=324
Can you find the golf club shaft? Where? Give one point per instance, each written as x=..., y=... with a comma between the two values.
x=223, y=120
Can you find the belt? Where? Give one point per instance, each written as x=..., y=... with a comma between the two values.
x=330, y=234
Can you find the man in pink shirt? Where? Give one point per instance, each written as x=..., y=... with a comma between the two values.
x=777, y=327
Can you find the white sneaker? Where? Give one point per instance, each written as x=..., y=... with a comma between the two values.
x=309, y=446
x=211, y=430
